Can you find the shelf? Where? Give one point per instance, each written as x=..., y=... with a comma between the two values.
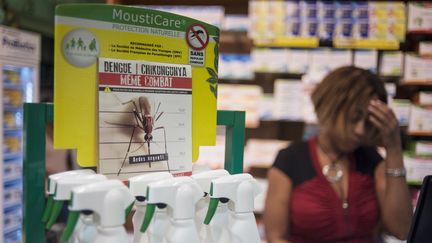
x=420, y=134
x=235, y=42
x=314, y=42
x=280, y=75
x=288, y=75
x=414, y=183
x=416, y=83
x=420, y=32
x=390, y=79
x=300, y=42
x=367, y=44
x=236, y=81
x=265, y=80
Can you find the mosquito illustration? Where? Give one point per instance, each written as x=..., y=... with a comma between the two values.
x=143, y=120
x=197, y=38
x=198, y=33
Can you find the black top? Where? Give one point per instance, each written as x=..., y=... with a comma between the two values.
x=296, y=162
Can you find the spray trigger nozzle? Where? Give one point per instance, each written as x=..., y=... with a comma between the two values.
x=148, y=217
x=55, y=212
x=213, y=204
x=70, y=225
x=47, y=212
x=128, y=210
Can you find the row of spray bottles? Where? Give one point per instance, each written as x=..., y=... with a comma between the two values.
x=210, y=206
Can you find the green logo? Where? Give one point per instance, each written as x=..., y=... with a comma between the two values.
x=80, y=48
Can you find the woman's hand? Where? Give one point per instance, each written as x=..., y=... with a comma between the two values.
x=384, y=119
x=393, y=193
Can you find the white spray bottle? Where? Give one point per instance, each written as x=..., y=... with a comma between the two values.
x=85, y=228
x=217, y=230
x=110, y=201
x=55, y=208
x=180, y=195
x=240, y=190
x=159, y=225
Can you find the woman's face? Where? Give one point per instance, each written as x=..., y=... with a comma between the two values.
x=351, y=129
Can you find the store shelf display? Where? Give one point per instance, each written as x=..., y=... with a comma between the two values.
x=348, y=24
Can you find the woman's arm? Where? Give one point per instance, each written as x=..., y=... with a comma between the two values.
x=276, y=211
x=393, y=193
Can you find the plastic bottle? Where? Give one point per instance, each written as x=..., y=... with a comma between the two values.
x=110, y=201
x=240, y=190
x=159, y=225
x=52, y=181
x=216, y=231
x=63, y=194
x=180, y=196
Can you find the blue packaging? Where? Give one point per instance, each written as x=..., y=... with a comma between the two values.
x=362, y=29
x=326, y=10
x=308, y=9
x=326, y=29
x=12, y=219
x=293, y=27
x=344, y=28
x=361, y=10
x=344, y=9
x=12, y=193
x=14, y=236
x=310, y=27
x=292, y=9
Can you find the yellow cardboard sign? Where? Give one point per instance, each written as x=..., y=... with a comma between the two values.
x=84, y=32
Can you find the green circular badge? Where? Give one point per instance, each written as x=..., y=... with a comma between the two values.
x=80, y=48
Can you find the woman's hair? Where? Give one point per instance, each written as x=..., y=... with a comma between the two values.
x=344, y=90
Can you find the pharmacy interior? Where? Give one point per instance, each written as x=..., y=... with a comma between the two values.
x=190, y=121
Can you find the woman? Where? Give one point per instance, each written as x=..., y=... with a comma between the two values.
x=336, y=187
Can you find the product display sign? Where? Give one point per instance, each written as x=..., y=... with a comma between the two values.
x=86, y=32
x=145, y=117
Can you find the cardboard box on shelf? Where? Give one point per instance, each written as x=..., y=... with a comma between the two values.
x=420, y=120
x=391, y=63
x=235, y=66
x=417, y=167
x=241, y=97
x=424, y=98
x=402, y=109
x=236, y=22
x=417, y=68
x=288, y=96
x=367, y=59
x=262, y=152
x=423, y=148
x=425, y=48
x=419, y=17
x=269, y=60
